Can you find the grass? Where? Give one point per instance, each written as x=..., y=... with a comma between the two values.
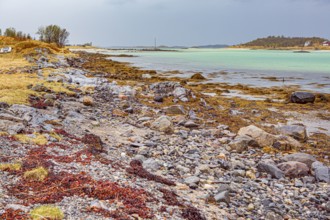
x=46, y=212
x=10, y=166
x=14, y=87
x=37, y=174
x=36, y=138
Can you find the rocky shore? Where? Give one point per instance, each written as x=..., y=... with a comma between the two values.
x=117, y=142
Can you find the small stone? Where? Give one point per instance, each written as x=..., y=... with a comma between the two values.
x=158, y=98
x=192, y=180
x=298, y=183
x=151, y=164
x=163, y=124
x=250, y=207
x=191, y=124
x=250, y=174
x=175, y=110
x=269, y=167
x=222, y=197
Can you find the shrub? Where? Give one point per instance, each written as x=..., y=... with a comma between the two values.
x=46, y=212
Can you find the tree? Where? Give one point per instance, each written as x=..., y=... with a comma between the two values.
x=10, y=32
x=53, y=34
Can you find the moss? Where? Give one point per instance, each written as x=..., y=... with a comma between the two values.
x=37, y=174
x=36, y=138
x=46, y=212
x=10, y=166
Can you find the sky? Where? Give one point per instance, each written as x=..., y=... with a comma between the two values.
x=171, y=22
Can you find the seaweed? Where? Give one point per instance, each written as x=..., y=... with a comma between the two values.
x=137, y=169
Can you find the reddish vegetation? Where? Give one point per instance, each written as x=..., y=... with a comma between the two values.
x=170, y=197
x=137, y=169
x=94, y=143
x=11, y=214
x=56, y=187
x=191, y=213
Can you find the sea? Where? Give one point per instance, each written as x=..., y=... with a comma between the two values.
x=259, y=68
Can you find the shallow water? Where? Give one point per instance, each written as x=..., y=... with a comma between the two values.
x=311, y=70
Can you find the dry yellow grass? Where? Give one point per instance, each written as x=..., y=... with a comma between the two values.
x=37, y=174
x=10, y=166
x=36, y=138
x=13, y=87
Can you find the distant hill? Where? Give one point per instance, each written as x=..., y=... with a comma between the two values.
x=284, y=42
x=212, y=46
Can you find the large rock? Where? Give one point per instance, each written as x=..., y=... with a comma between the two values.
x=302, y=97
x=300, y=157
x=241, y=143
x=294, y=169
x=321, y=172
x=270, y=167
x=175, y=110
x=263, y=138
x=163, y=123
x=297, y=131
x=181, y=94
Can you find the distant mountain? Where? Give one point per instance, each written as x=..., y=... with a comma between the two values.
x=284, y=42
x=212, y=46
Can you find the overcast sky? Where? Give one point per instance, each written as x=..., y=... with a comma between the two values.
x=173, y=22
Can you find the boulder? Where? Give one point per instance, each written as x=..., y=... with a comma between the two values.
x=241, y=143
x=321, y=172
x=302, y=97
x=191, y=180
x=294, y=169
x=300, y=157
x=263, y=138
x=297, y=131
x=175, y=110
x=270, y=167
x=163, y=123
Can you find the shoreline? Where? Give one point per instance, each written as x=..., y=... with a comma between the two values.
x=163, y=145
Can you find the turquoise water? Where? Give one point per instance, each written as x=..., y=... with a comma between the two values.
x=243, y=66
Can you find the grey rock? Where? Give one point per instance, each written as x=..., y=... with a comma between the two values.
x=222, y=197
x=151, y=164
x=302, y=97
x=158, y=98
x=163, y=124
x=181, y=94
x=321, y=172
x=300, y=157
x=297, y=131
x=294, y=169
x=192, y=180
x=269, y=167
x=17, y=207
